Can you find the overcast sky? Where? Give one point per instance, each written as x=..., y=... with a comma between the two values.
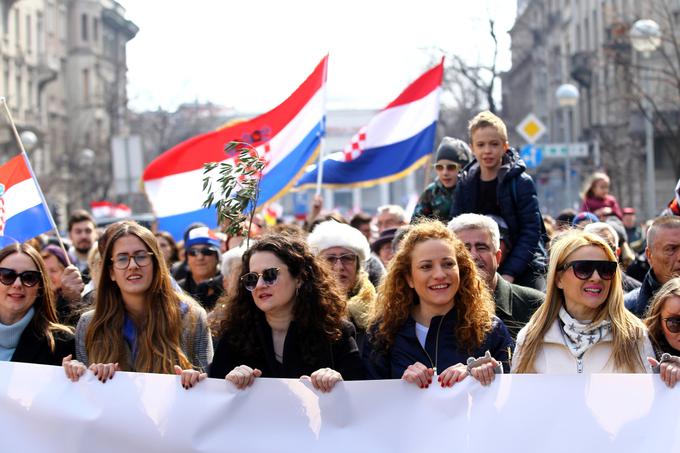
x=251, y=54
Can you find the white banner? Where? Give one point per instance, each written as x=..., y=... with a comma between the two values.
x=41, y=411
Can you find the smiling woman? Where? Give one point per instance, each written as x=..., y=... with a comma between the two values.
x=433, y=312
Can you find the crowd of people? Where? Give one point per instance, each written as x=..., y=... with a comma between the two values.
x=476, y=283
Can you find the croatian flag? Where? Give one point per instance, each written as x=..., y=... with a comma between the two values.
x=22, y=212
x=288, y=137
x=395, y=142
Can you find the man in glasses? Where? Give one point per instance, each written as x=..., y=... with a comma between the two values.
x=514, y=303
x=663, y=256
x=435, y=202
x=204, y=280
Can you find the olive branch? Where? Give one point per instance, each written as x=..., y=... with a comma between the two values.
x=238, y=187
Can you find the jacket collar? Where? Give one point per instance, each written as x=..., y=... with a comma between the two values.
x=503, y=295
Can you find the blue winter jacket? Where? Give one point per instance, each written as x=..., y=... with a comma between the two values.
x=518, y=205
x=440, y=352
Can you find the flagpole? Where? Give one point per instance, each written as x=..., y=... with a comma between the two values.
x=322, y=141
x=3, y=101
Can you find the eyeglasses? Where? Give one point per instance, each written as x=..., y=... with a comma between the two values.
x=122, y=261
x=583, y=269
x=449, y=167
x=202, y=251
x=346, y=259
x=28, y=278
x=672, y=324
x=269, y=277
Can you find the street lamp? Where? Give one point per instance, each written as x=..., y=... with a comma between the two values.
x=567, y=97
x=645, y=36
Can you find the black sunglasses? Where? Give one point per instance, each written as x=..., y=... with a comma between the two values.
x=449, y=167
x=202, y=251
x=583, y=269
x=269, y=277
x=673, y=324
x=28, y=278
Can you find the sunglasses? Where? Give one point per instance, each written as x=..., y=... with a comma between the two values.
x=346, y=259
x=584, y=269
x=122, y=261
x=28, y=278
x=202, y=251
x=269, y=277
x=449, y=167
x=672, y=324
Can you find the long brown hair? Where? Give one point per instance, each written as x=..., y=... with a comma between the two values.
x=319, y=310
x=159, y=336
x=472, y=303
x=45, y=318
x=627, y=329
x=653, y=316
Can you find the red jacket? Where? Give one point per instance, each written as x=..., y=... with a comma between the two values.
x=592, y=204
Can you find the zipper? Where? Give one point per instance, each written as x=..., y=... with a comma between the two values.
x=579, y=365
x=436, y=347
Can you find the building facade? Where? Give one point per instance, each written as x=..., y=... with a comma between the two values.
x=587, y=43
x=64, y=75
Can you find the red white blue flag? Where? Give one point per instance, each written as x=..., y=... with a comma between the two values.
x=395, y=142
x=288, y=137
x=23, y=214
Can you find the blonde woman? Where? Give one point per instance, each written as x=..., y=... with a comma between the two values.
x=139, y=322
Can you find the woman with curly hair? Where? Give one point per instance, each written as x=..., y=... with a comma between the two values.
x=286, y=320
x=29, y=329
x=663, y=322
x=139, y=323
x=433, y=312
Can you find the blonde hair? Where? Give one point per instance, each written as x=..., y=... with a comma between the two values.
x=473, y=303
x=487, y=119
x=653, y=316
x=627, y=329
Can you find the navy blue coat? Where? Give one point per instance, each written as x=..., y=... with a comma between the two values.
x=638, y=299
x=518, y=203
x=441, y=348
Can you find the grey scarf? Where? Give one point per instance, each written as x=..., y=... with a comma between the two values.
x=580, y=337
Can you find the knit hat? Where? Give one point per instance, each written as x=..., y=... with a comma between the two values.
x=202, y=235
x=335, y=234
x=385, y=237
x=58, y=253
x=455, y=150
x=583, y=216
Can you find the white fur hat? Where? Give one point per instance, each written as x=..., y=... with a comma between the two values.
x=335, y=234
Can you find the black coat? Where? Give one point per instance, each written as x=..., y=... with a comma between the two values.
x=342, y=356
x=441, y=348
x=639, y=299
x=33, y=347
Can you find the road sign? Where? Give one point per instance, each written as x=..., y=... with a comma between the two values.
x=531, y=128
x=559, y=150
x=532, y=155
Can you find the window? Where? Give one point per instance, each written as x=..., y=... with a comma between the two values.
x=83, y=27
x=40, y=35
x=95, y=30
x=86, y=86
x=17, y=27
x=29, y=30
x=18, y=93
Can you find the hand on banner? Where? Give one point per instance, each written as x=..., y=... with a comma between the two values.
x=324, y=379
x=452, y=375
x=104, y=371
x=418, y=374
x=484, y=369
x=73, y=368
x=669, y=369
x=71, y=284
x=189, y=378
x=243, y=376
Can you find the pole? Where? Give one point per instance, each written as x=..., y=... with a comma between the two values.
x=3, y=101
x=567, y=157
x=319, y=166
x=649, y=153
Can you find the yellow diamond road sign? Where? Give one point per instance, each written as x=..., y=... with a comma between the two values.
x=531, y=128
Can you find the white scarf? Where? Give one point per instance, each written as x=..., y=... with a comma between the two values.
x=580, y=337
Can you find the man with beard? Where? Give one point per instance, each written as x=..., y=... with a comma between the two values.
x=83, y=234
x=514, y=303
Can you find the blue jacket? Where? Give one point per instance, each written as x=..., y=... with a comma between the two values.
x=440, y=352
x=638, y=299
x=518, y=205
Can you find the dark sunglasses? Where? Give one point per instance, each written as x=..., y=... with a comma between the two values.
x=28, y=278
x=673, y=324
x=584, y=269
x=346, y=259
x=269, y=277
x=449, y=167
x=202, y=251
